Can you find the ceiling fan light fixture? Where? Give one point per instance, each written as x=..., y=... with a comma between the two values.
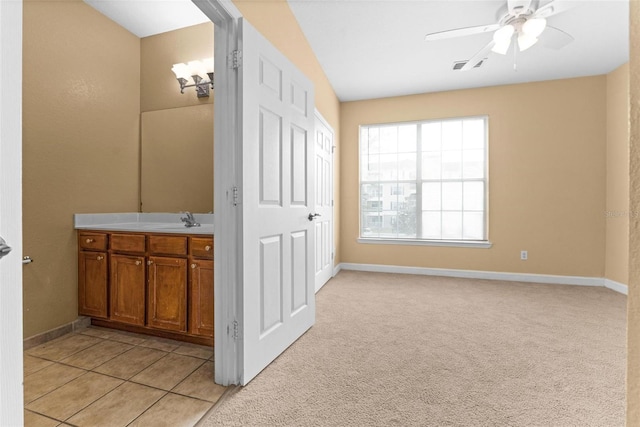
x=525, y=41
x=534, y=27
x=502, y=39
x=501, y=47
x=503, y=35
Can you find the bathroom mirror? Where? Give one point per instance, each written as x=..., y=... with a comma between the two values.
x=176, y=168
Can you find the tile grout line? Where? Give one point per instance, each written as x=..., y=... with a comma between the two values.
x=203, y=361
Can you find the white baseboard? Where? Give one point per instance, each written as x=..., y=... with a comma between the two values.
x=489, y=275
x=616, y=286
x=336, y=269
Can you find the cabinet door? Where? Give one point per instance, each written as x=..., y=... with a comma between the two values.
x=201, y=301
x=92, y=284
x=167, y=293
x=127, y=289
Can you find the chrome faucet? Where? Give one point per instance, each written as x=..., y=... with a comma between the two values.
x=189, y=220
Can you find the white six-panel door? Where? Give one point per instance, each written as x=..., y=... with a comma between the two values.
x=324, y=202
x=277, y=196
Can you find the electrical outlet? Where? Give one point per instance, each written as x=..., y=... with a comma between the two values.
x=524, y=255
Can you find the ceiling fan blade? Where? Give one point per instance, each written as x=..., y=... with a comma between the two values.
x=482, y=53
x=553, y=8
x=555, y=38
x=517, y=7
x=461, y=32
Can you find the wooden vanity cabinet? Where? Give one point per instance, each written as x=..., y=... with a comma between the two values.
x=167, y=284
x=151, y=283
x=127, y=285
x=92, y=275
x=127, y=278
x=201, y=286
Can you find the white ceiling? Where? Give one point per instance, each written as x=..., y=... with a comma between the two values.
x=376, y=48
x=149, y=17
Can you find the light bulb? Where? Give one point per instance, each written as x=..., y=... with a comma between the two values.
x=525, y=41
x=501, y=47
x=208, y=65
x=181, y=71
x=196, y=68
x=534, y=27
x=502, y=39
x=503, y=34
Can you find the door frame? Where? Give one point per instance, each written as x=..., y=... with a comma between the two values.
x=318, y=116
x=11, y=364
x=227, y=176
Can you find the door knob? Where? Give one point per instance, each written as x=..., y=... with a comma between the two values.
x=313, y=216
x=4, y=248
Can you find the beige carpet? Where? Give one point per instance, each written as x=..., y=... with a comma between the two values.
x=426, y=351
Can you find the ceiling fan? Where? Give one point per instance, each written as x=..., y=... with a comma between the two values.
x=524, y=20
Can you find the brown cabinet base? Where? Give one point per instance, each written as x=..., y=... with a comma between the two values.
x=181, y=336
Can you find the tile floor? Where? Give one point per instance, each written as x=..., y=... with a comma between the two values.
x=103, y=377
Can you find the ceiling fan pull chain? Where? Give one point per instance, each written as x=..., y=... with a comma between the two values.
x=515, y=57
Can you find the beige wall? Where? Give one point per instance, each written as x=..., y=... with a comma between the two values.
x=546, y=172
x=633, y=301
x=617, y=207
x=274, y=19
x=81, y=104
x=159, y=88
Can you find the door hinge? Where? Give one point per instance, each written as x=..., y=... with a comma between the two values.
x=234, y=331
x=236, y=196
x=235, y=59
x=333, y=148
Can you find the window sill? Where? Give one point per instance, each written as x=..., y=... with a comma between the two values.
x=484, y=244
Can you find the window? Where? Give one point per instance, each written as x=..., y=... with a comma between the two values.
x=424, y=181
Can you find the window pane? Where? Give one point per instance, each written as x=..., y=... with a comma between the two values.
x=374, y=140
x=364, y=140
x=431, y=225
x=407, y=166
x=474, y=196
x=452, y=196
x=431, y=197
x=473, y=227
x=451, y=135
x=473, y=133
x=431, y=136
x=407, y=138
x=388, y=167
x=431, y=165
x=473, y=164
x=389, y=139
x=370, y=167
x=452, y=164
x=452, y=225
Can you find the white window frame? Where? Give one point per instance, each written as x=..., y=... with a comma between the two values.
x=485, y=243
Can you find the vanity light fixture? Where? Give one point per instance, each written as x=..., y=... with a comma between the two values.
x=194, y=72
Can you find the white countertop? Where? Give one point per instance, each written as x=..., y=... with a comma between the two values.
x=143, y=222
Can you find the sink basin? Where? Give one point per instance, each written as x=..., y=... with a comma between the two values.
x=177, y=228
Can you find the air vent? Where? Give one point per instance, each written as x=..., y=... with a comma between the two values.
x=459, y=64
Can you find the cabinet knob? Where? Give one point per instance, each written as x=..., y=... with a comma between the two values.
x=89, y=240
x=138, y=262
x=149, y=262
x=207, y=248
x=193, y=266
x=100, y=258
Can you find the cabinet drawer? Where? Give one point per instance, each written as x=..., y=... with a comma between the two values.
x=128, y=243
x=168, y=245
x=92, y=241
x=202, y=247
